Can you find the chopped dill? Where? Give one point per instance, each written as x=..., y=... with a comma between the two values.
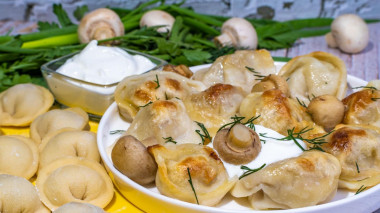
x=169, y=140
x=157, y=82
x=237, y=119
x=357, y=167
x=249, y=170
x=166, y=96
x=206, y=138
x=375, y=99
x=365, y=87
x=191, y=184
x=361, y=189
x=251, y=69
x=150, y=102
x=301, y=102
x=119, y=131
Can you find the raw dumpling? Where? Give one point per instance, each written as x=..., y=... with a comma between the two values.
x=56, y=119
x=75, y=207
x=315, y=74
x=164, y=119
x=357, y=148
x=74, y=179
x=75, y=143
x=362, y=107
x=277, y=112
x=244, y=68
x=139, y=90
x=18, y=156
x=22, y=103
x=309, y=179
x=19, y=195
x=209, y=177
x=215, y=106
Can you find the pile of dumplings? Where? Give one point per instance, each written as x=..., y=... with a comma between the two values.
x=170, y=112
x=60, y=152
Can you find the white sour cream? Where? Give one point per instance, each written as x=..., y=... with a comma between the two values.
x=104, y=65
x=272, y=150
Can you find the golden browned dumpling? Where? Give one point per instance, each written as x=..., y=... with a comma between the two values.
x=244, y=68
x=139, y=90
x=362, y=107
x=178, y=163
x=22, y=103
x=57, y=119
x=277, y=112
x=74, y=179
x=19, y=195
x=357, y=148
x=18, y=156
x=309, y=179
x=215, y=106
x=75, y=207
x=315, y=74
x=161, y=120
x=75, y=143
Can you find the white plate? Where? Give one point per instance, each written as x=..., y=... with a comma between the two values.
x=150, y=200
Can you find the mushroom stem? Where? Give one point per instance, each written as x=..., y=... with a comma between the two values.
x=240, y=136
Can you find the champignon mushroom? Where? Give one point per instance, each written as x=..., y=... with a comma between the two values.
x=272, y=82
x=349, y=33
x=239, y=33
x=100, y=24
x=158, y=18
x=326, y=110
x=132, y=159
x=237, y=145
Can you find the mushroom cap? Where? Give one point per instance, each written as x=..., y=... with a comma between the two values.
x=132, y=159
x=350, y=33
x=100, y=24
x=326, y=110
x=272, y=81
x=157, y=18
x=237, y=145
x=239, y=33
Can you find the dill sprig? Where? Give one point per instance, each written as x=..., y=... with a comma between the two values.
x=169, y=140
x=301, y=102
x=119, y=131
x=166, y=96
x=191, y=184
x=250, y=123
x=357, y=167
x=249, y=170
x=157, y=82
x=206, y=138
x=257, y=74
x=150, y=102
x=259, y=77
x=237, y=120
x=361, y=189
x=375, y=99
x=365, y=87
x=251, y=69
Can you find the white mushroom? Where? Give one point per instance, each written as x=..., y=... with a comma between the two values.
x=158, y=18
x=100, y=24
x=349, y=33
x=239, y=33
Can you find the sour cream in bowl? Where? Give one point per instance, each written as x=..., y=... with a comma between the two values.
x=88, y=79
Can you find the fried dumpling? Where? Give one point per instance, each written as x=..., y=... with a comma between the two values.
x=19, y=195
x=139, y=90
x=161, y=120
x=75, y=207
x=75, y=143
x=242, y=69
x=177, y=164
x=215, y=106
x=357, y=148
x=315, y=74
x=18, y=156
x=22, y=103
x=362, y=107
x=309, y=179
x=56, y=119
x=277, y=112
x=73, y=179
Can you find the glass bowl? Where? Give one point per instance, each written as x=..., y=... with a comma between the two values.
x=91, y=97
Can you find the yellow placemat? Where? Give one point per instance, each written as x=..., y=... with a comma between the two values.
x=117, y=205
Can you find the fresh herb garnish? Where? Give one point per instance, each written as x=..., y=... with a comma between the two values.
x=119, y=131
x=375, y=99
x=365, y=87
x=206, y=138
x=250, y=122
x=236, y=119
x=357, y=167
x=249, y=170
x=150, y=102
x=157, y=82
x=301, y=102
x=191, y=184
x=166, y=96
x=251, y=69
x=361, y=189
x=169, y=140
